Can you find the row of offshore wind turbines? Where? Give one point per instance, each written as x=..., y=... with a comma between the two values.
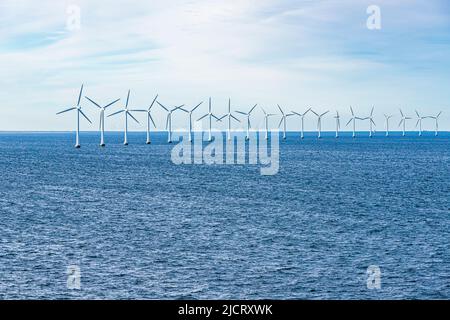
x=229, y=117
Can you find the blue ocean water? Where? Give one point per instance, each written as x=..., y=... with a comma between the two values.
x=139, y=226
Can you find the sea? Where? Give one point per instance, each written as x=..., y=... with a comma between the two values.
x=363, y=218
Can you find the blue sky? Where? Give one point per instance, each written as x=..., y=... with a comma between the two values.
x=315, y=53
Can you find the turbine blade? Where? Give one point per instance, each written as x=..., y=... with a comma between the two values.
x=324, y=113
x=110, y=104
x=216, y=117
x=349, y=121
x=85, y=116
x=264, y=111
x=298, y=114
x=371, y=112
x=220, y=119
x=314, y=112
x=281, y=121
x=196, y=106
x=128, y=98
x=202, y=117
x=132, y=117
x=252, y=108
x=113, y=114
x=66, y=110
x=400, y=123
x=95, y=103
x=241, y=112
x=235, y=118
x=162, y=106
x=152, y=120
x=351, y=109
x=79, y=96
x=153, y=102
x=401, y=112
x=280, y=109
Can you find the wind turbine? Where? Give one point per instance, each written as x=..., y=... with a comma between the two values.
x=247, y=114
x=338, y=123
x=127, y=113
x=210, y=115
x=302, y=116
x=283, y=120
x=419, y=122
x=79, y=111
x=371, y=122
x=387, y=117
x=149, y=118
x=436, y=128
x=319, y=122
x=169, y=119
x=230, y=116
x=190, y=119
x=266, y=122
x=403, y=120
x=102, y=118
x=353, y=119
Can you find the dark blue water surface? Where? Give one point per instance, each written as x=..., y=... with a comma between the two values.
x=139, y=226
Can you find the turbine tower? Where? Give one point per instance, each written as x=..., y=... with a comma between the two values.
x=319, y=122
x=79, y=111
x=210, y=115
x=190, y=119
x=353, y=119
x=230, y=116
x=338, y=123
x=102, y=118
x=387, y=117
x=149, y=118
x=371, y=122
x=436, y=125
x=247, y=114
x=127, y=113
x=403, y=121
x=266, y=122
x=302, y=116
x=283, y=120
x=169, y=119
x=419, y=122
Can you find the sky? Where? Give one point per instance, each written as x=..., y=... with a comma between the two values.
x=299, y=54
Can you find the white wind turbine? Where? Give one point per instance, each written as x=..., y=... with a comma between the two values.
x=302, y=116
x=190, y=119
x=79, y=111
x=283, y=121
x=436, y=125
x=266, y=122
x=127, y=113
x=387, y=117
x=169, y=119
x=247, y=114
x=319, y=122
x=338, y=123
x=102, y=118
x=353, y=119
x=230, y=116
x=210, y=115
x=149, y=118
x=419, y=122
x=371, y=122
x=403, y=121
